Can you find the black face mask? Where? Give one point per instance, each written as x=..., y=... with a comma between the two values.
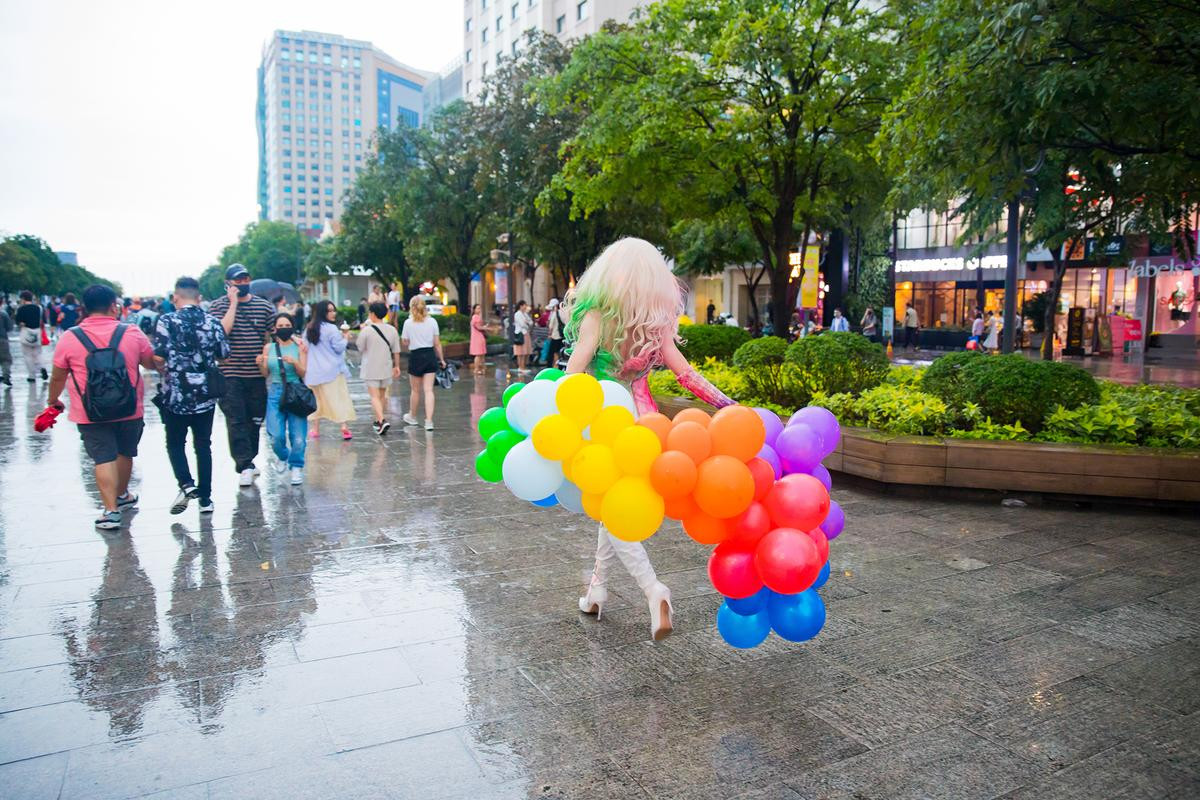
x=284, y=334
x=243, y=290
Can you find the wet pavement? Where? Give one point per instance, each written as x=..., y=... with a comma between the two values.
x=396, y=629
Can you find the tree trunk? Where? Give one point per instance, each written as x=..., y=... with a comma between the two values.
x=1060, y=269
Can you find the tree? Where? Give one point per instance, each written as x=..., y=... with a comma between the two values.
x=758, y=108
x=19, y=268
x=268, y=249
x=707, y=248
x=373, y=224
x=1027, y=102
x=27, y=262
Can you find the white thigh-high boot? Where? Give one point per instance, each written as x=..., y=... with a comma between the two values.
x=596, y=596
x=633, y=556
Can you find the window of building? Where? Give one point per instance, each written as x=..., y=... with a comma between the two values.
x=560, y=23
x=312, y=58
x=286, y=79
x=467, y=57
x=329, y=204
x=326, y=60
x=581, y=10
x=499, y=59
x=358, y=63
x=358, y=134
x=329, y=191
x=287, y=189
x=287, y=165
x=483, y=34
x=499, y=22
x=345, y=167
x=286, y=104
x=469, y=24
x=287, y=152
x=483, y=70
x=287, y=214
x=288, y=177
x=515, y=8
x=287, y=201
x=483, y=4
x=287, y=141
x=358, y=145
x=514, y=49
x=285, y=54
x=357, y=158
x=467, y=87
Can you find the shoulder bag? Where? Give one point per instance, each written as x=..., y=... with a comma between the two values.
x=297, y=398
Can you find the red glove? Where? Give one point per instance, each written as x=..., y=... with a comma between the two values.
x=47, y=418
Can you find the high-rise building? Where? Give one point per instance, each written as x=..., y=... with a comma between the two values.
x=321, y=97
x=493, y=29
x=443, y=88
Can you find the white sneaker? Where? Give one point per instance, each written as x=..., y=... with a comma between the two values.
x=428, y=424
x=206, y=508
x=246, y=478
x=281, y=466
x=409, y=419
x=256, y=471
x=181, y=502
x=297, y=476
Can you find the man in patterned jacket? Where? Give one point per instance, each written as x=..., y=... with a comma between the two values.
x=187, y=346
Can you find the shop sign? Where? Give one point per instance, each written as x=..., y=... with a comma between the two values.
x=950, y=264
x=501, y=286
x=1133, y=330
x=1074, y=332
x=1147, y=269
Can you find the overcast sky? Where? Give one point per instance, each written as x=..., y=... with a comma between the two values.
x=127, y=128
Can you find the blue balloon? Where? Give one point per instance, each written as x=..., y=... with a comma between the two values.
x=822, y=576
x=546, y=502
x=797, y=617
x=740, y=631
x=749, y=605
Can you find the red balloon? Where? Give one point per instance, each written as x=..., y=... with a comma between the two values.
x=731, y=570
x=751, y=525
x=787, y=561
x=764, y=477
x=818, y=537
x=797, y=501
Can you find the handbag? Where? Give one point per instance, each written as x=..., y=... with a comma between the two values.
x=518, y=338
x=30, y=336
x=447, y=375
x=45, y=338
x=297, y=398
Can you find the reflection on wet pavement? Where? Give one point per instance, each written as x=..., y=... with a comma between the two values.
x=395, y=628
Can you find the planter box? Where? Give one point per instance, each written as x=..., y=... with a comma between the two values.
x=939, y=339
x=1134, y=473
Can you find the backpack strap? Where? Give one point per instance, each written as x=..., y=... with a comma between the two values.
x=375, y=328
x=88, y=344
x=282, y=367
x=115, y=341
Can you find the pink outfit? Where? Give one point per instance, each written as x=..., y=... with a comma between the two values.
x=478, y=338
x=70, y=354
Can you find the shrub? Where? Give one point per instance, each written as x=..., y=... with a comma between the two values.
x=701, y=342
x=347, y=314
x=903, y=375
x=1107, y=422
x=891, y=409
x=768, y=378
x=993, y=432
x=944, y=376
x=452, y=337
x=458, y=323
x=836, y=362
x=1011, y=388
x=729, y=380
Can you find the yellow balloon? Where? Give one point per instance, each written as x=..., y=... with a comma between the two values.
x=592, y=505
x=635, y=449
x=593, y=469
x=632, y=510
x=556, y=437
x=609, y=422
x=580, y=397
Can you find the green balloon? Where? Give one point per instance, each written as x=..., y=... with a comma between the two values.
x=549, y=374
x=487, y=469
x=511, y=391
x=492, y=422
x=498, y=444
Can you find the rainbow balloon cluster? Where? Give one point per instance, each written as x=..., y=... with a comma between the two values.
x=738, y=479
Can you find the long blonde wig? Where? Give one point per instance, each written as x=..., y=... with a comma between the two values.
x=639, y=302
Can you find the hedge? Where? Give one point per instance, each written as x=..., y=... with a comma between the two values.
x=702, y=342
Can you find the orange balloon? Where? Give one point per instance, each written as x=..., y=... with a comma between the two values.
x=691, y=439
x=697, y=416
x=724, y=486
x=705, y=529
x=764, y=477
x=592, y=504
x=681, y=507
x=737, y=431
x=659, y=423
x=673, y=474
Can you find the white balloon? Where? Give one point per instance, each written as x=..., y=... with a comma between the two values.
x=570, y=497
x=615, y=394
x=530, y=406
x=528, y=475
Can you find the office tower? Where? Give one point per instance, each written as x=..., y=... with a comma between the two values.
x=493, y=29
x=321, y=98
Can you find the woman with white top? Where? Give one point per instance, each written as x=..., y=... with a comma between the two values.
x=420, y=338
x=991, y=342
x=326, y=370
x=523, y=328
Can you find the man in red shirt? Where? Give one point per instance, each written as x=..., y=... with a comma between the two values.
x=111, y=444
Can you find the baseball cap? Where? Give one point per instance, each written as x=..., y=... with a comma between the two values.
x=553, y=303
x=235, y=271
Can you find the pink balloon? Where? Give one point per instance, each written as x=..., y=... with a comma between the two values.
x=731, y=570
x=769, y=455
x=787, y=561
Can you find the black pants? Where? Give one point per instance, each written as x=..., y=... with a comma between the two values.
x=244, y=406
x=200, y=425
x=556, y=346
x=910, y=337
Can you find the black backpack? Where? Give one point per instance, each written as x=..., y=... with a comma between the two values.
x=146, y=324
x=109, y=395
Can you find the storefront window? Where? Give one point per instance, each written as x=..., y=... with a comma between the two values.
x=1175, y=303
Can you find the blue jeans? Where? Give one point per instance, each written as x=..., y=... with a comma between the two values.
x=288, y=432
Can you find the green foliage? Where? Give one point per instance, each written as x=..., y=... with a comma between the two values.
x=728, y=379
x=836, y=362
x=348, y=315
x=905, y=376
x=1034, y=310
x=891, y=409
x=1106, y=422
x=991, y=431
x=458, y=323
x=1011, y=388
x=27, y=262
x=452, y=337
x=768, y=377
x=701, y=342
x=944, y=377
x=268, y=249
x=496, y=340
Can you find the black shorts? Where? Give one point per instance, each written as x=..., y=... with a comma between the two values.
x=422, y=361
x=104, y=441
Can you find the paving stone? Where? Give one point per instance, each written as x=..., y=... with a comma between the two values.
x=1039, y=660
x=1168, y=676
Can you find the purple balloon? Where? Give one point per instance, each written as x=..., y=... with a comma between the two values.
x=823, y=422
x=820, y=473
x=768, y=454
x=771, y=422
x=834, y=522
x=800, y=448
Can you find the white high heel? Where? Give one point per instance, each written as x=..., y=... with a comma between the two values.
x=659, y=600
x=594, y=599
